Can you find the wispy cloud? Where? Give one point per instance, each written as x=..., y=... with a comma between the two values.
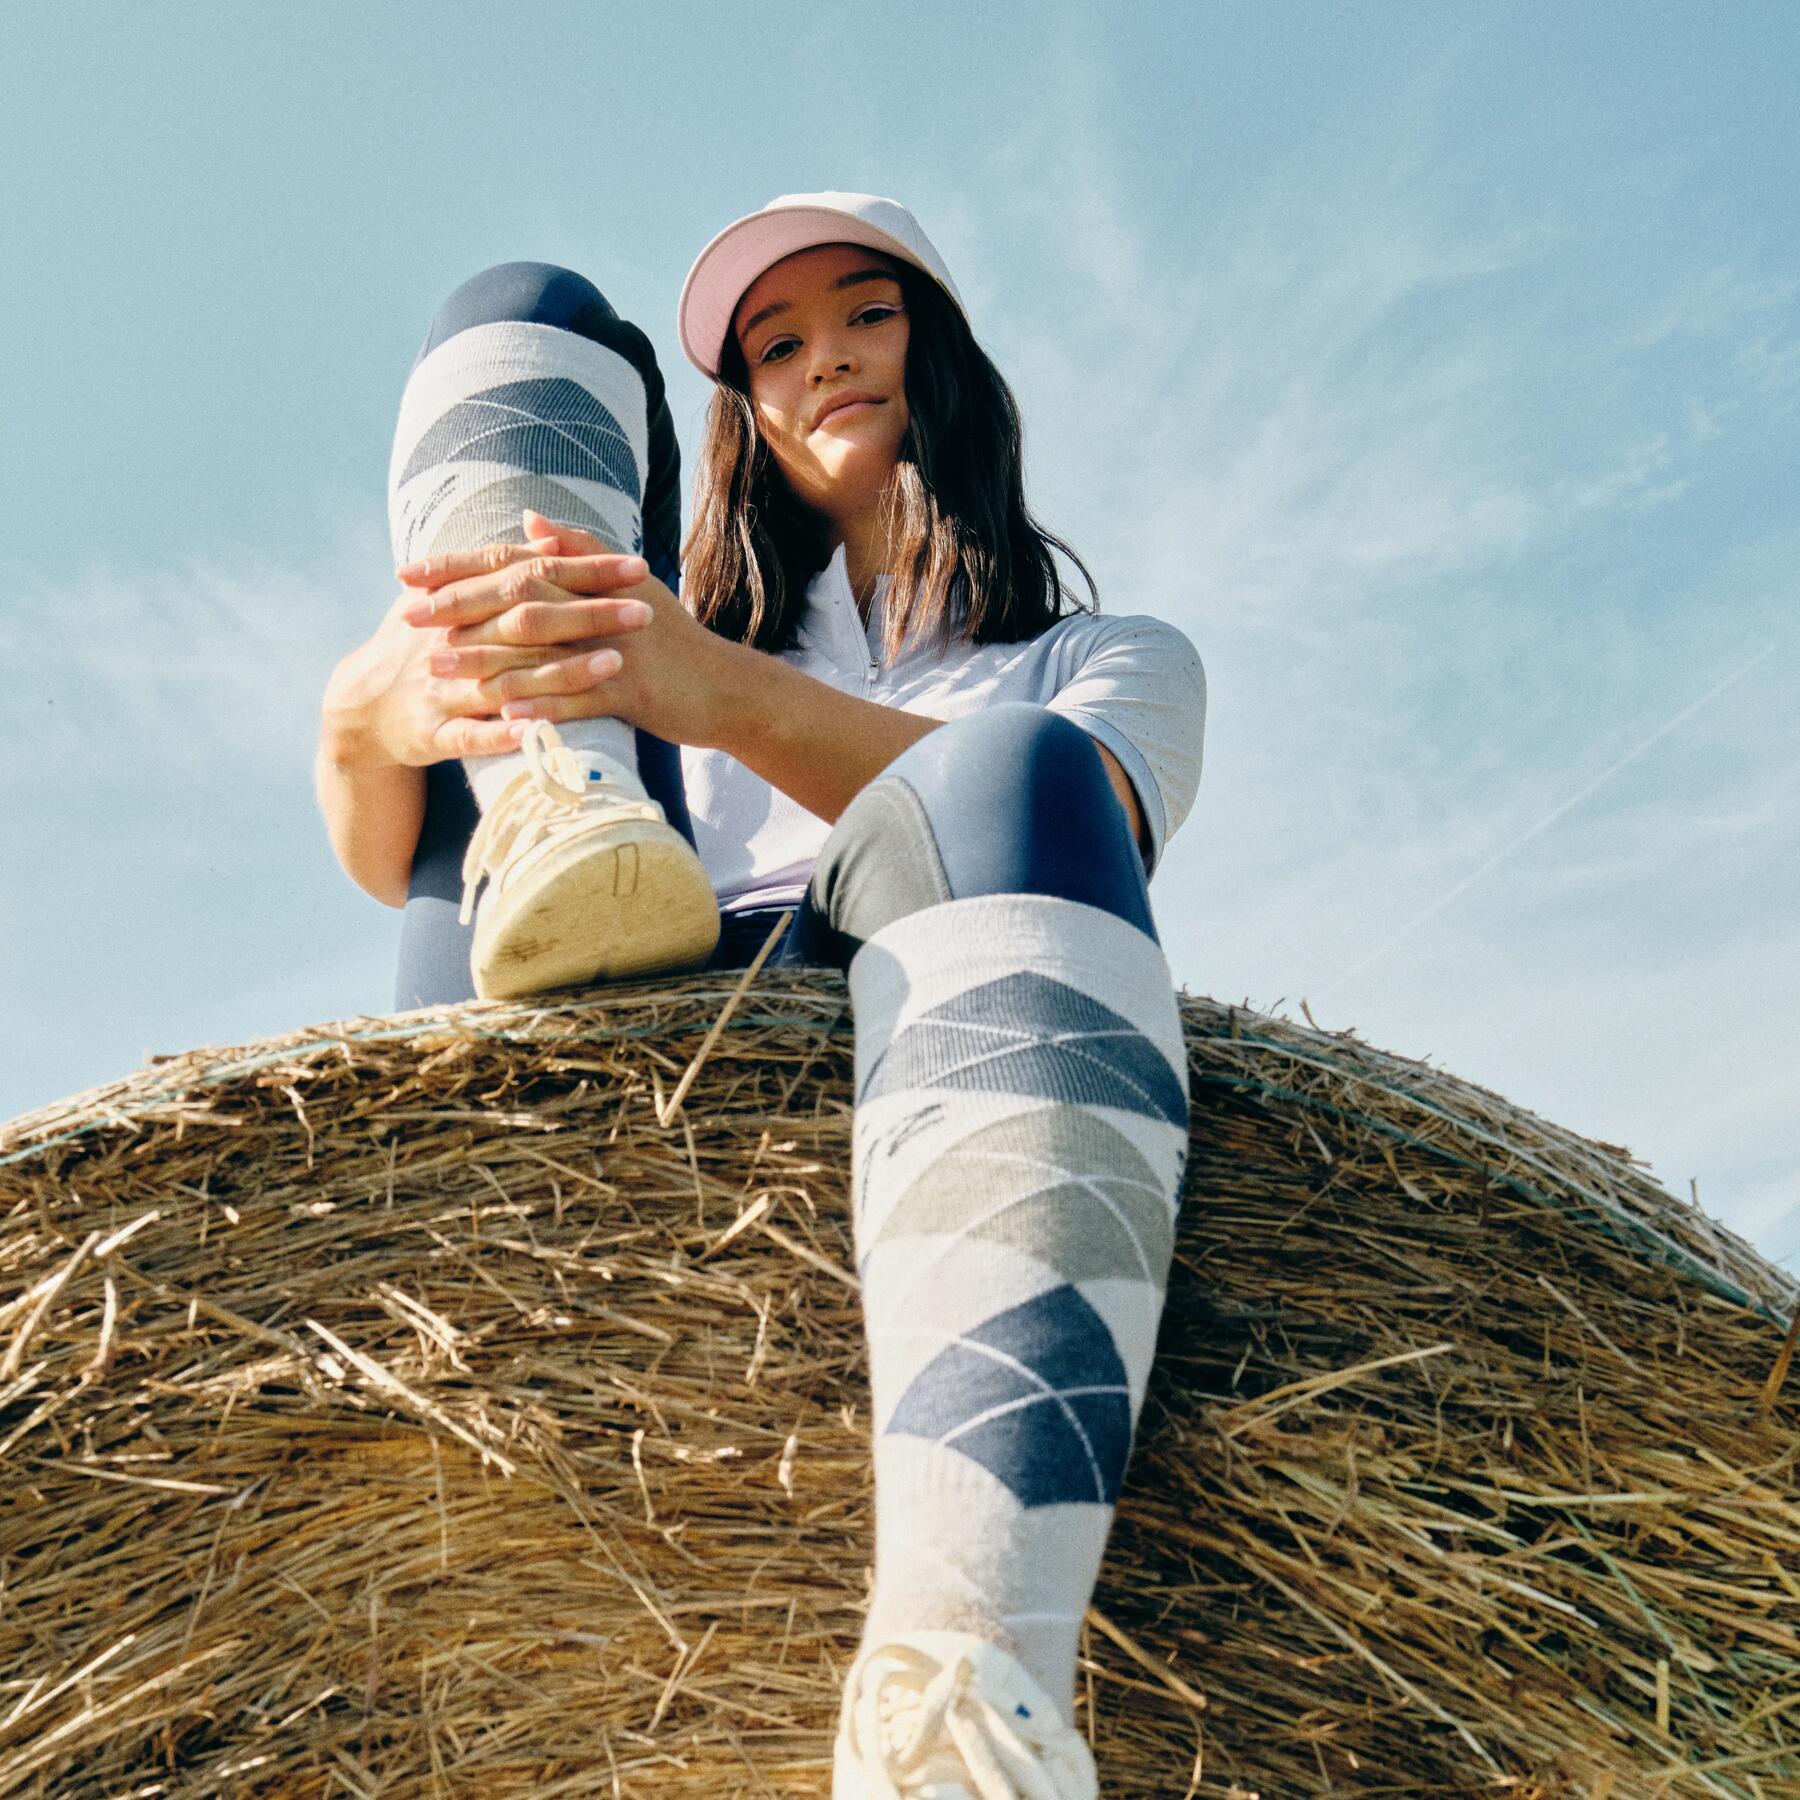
x=1539, y=826
x=180, y=887
x=1638, y=479
x=206, y=670
x=1484, y=759
x=1728, y=303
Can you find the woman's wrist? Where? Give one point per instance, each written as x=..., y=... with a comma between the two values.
x=817, y=744
x=747, y=687
x=374, y=804
x=349, y=742
x=349, y=719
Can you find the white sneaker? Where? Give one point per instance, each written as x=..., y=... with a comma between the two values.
x=945, y=1715
x=586, y=879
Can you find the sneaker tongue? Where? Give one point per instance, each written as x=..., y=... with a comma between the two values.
x=942, y=1778
x=940, y=1774
x=593, y=769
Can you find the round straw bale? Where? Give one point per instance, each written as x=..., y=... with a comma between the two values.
x=474, y=1401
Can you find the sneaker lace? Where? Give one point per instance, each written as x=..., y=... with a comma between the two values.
x=556, y=788
x=910, y=1713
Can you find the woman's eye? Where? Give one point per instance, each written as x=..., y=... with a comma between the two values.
x=876, y=313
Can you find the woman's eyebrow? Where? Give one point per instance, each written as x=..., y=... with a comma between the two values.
x=843, y=281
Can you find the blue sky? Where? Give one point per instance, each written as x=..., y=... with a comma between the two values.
x=1436, y=368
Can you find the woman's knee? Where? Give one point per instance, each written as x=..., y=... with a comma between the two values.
x=542, y=294
x=528, y=293
x=1012, y=799
x=1016, y=774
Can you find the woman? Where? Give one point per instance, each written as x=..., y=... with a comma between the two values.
x=891, y=721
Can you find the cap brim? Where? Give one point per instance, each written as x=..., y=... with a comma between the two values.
x=740, y=253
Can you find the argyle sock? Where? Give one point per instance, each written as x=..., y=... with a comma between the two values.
x=1021, y=1129
x=510, y=415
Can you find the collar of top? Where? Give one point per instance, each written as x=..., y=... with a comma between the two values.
x=831, y=626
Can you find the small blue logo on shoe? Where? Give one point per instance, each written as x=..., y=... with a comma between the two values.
x=1024, y=1712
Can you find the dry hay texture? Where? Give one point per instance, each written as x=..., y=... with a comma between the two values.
x=425, y=1406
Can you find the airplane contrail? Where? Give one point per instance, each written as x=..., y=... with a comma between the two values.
x=1543, y=824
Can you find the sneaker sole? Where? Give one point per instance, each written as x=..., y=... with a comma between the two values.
x=629, y=899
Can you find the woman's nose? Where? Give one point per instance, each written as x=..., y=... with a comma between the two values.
x=832, y=359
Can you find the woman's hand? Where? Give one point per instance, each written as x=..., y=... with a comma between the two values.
x=659, y=670
x=404, y=699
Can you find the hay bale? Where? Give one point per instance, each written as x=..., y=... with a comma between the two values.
x=420, y=1405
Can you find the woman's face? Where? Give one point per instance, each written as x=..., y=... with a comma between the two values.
x=815, y=328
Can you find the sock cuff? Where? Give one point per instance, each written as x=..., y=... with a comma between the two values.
x=932, y=956
x=606, y=747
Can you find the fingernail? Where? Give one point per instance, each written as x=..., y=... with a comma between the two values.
x=443, y=663
x=634, y=568
x=605, y=662
x=409, y=571
x=516, y=731
x=634, y=612
x=518, y=709
x=417, y=613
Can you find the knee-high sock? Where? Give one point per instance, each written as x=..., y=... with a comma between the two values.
x=515, y=414
x=1021, y=1129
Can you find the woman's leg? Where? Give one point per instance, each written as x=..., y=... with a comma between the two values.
x=1021, y=1129
x=529, y=390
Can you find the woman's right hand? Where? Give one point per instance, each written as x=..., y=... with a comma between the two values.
x=384, y=704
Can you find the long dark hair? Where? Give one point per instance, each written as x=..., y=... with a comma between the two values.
x=972, y=563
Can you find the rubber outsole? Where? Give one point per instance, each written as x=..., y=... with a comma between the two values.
x=629, y=898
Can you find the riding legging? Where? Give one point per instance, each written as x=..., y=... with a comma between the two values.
x=1020, y=1124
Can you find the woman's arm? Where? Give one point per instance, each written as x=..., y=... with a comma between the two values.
x=373, y=810
x=673, y=677
x=821, y=747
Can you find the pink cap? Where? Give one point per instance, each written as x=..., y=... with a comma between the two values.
x=733, y=260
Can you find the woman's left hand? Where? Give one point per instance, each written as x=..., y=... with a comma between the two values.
x=673, y=676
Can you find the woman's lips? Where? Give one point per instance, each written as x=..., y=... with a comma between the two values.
x=844, y=412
